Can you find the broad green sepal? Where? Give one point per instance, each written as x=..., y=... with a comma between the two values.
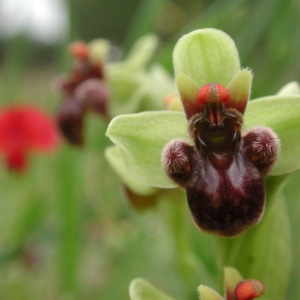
x=140, y=289
x=115, y=159
x=128, y=90
x=239, y=90
x=206, y=55
x=281, y=113
x=141, y=138
x=206, y=293
x=135, y=85
x=188, y=93
x=291, y=88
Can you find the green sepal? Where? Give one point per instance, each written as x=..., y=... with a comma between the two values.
x=129, y=88
x=133, y=84
x=207, y=293
x=140, y=289
x=291, y=88
x=141, y=138
x=114, y=157
x=281, y=113
x=206, y=55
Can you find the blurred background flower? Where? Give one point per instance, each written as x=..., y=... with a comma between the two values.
x=24, y=130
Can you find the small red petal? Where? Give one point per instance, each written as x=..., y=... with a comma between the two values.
x=16, y=161
x=212, y=92
x=26, y=128
x=249, y=289
x=79, y=50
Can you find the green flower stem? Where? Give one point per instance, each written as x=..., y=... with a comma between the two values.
x=175, y=216
x=70, y=194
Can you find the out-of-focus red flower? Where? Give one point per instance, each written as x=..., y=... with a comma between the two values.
x=24, y=129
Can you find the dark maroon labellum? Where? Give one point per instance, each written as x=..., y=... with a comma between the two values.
x=223, y=171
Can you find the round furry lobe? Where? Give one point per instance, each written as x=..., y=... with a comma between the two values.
x=266, y=144
x=176, y=160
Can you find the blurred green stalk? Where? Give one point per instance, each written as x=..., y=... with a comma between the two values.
x=70, y=187
x=70, y=194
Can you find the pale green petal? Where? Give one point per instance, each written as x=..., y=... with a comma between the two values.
x=115, y=159
x=141, y=138
x=206, y=55
x=282, y=114
x=206, y=293
x=232, y=278
x=188, y=93
x=291, y=88
x=160, y=84
x=239, y=90
x=128, y=90
x=140, y=289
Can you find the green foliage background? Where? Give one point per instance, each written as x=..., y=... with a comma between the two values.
x=67, y=230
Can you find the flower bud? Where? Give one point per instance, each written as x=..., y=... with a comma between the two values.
x=248, y=290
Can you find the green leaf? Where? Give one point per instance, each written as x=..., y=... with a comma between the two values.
x=140, y=289
x=141, y=138
x=206, y=55
x=115, y=159
x=281, y=113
